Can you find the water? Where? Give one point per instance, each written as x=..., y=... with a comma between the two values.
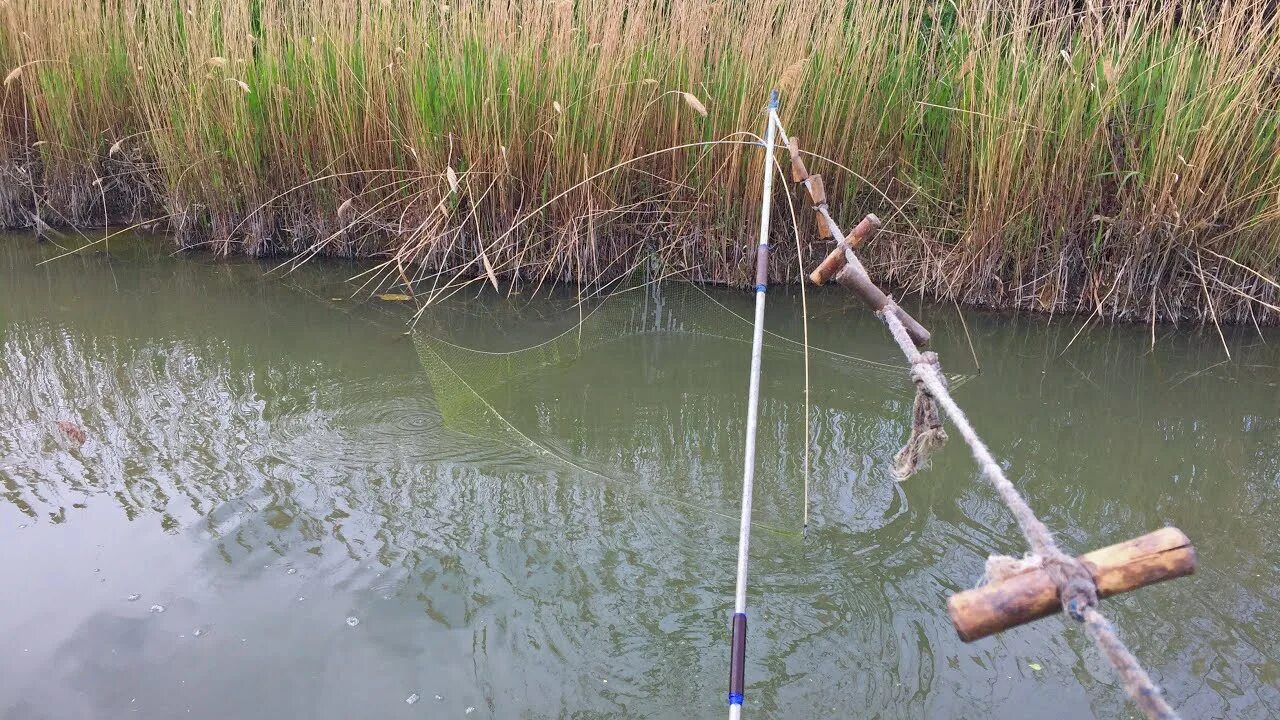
x=268, y=471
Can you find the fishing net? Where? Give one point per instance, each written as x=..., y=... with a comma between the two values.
x=642, y=390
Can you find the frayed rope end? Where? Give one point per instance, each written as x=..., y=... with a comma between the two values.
x=1003, y=567
x=927, y=433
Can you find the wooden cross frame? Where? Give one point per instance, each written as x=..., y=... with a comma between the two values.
x=841, y=262
x=1029, y=595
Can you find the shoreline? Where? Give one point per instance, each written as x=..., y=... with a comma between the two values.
x=787, y=278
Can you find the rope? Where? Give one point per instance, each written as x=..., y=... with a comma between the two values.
x=1076, y=588
x=1146, y=695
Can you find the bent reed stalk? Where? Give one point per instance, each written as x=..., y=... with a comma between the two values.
x=1118, y=158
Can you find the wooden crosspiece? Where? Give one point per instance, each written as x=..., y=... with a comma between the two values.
x=1030, y=595
x=863, y=232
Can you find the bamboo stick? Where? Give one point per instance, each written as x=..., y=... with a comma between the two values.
x=1162, y=555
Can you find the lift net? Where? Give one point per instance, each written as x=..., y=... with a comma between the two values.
x=642, y=389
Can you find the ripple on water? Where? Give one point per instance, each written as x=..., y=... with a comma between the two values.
x=368, y=423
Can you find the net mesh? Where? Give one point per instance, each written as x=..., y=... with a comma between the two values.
x=643, y=388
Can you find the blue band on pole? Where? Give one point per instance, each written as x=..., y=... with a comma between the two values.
x=761, y=288
x=735, y=698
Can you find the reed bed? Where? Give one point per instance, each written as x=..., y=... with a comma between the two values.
x=1118, y=158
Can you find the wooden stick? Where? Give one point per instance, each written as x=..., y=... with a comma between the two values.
x=818, y=197
x=854, y=277
x=799, y=173
x=1155, y=557
x=813, y=185
x=824, y=231
x=864, y=232
x=817, y=193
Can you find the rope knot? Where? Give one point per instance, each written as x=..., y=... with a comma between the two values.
x=921, y=364
x=1076, y=588
x=927, y=433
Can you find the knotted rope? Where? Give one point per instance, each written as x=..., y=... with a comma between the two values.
x=927, y=433
x=1076, y=588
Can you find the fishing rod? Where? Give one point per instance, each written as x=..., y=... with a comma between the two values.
x=738, y=644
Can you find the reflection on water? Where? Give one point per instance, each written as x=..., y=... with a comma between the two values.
x=271, y=467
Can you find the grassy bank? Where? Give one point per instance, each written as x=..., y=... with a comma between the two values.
x=1046, y=155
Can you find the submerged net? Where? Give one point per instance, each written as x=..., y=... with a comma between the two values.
x=643, y=389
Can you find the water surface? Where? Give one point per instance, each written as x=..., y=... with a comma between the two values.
x=330, y=530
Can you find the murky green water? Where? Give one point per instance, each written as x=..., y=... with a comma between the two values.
x=267, y=463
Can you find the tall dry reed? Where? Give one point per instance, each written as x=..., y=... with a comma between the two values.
x=1070, y=156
